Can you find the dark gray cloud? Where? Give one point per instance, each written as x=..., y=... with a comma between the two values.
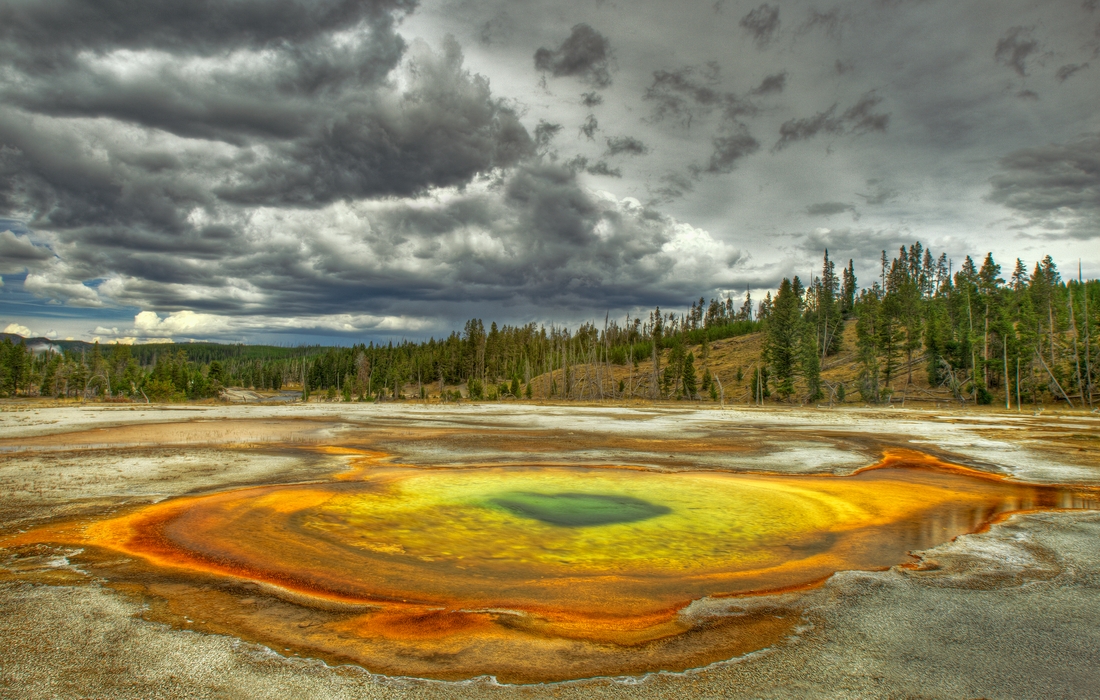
x=863, y=246
x=828, y=21
x=283, y=97
x=1068, y=70
x=625, y=145
x=602, y=168
x=43, y=37
x=771, y=84
x=498, y=28
x=308, y=109
x=545, y=133
x=762, y=24
x=677, y=95
x=808, y=127
x=680, y=95
x=538, y=237
x=673, y=186
x=193, y=140
x=19, y=252
x=584, y=54
x=730, y=148
x=49, y=177
x=255, y=158
x=830, y=208
x=1015, y=48
x=879, y=193
x=591, y=99
x=445, y=129
x=1055, y=188
x=860, y=118
x=590, y=127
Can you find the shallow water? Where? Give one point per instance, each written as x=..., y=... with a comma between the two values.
x=541, y=573
x=577, y=509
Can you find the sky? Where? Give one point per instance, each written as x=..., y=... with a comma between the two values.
x=336, y=171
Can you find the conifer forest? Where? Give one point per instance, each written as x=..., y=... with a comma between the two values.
x=983, y=332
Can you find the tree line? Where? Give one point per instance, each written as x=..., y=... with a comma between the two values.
x=489, y=363
x=974, y=335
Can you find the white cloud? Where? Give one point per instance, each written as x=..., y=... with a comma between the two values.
x=150, y=326
x=18, y=329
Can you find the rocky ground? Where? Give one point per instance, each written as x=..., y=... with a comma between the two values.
x=1011, y=612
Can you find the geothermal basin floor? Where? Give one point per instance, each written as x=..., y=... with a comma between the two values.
x=1009, y=611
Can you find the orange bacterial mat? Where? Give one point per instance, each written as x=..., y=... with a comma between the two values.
x=536, y=573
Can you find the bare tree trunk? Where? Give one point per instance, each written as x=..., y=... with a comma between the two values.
x=985, y=349
x=1055, y=380
x=1076, y=352
x=1008, y=390
x=973, y=358
x=1050, y=313
x=1088, y=339
x=630, y=371
x=654, y=390
x=1017, y=384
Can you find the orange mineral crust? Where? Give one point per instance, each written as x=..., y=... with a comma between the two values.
x=540, y=573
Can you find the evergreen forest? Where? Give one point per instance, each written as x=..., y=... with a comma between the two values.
x=977, y=334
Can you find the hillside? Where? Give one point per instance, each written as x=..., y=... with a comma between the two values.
x=724, y=358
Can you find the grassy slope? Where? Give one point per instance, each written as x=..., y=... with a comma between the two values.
x=726, y=356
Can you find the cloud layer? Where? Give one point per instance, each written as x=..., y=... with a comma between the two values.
x=390, y=166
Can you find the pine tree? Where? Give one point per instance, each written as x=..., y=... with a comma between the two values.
x=868, y=311
x=745, y=314
x=828, y=309
x=783, y=331
x=848, y=290
x=688, y=377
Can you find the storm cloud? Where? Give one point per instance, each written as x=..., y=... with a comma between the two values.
x=762, y=24
x=729, y=149
x=1068, y=70
x=327, y=168
x=860, y=118
x=771, y=84
x=1054, y=188
x=1015, y=48
x=584, y=54
x=537, y=237
x=627, y=145
x=830, y=208
x=19, y=252
x=689, y=93
x=372, y=167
